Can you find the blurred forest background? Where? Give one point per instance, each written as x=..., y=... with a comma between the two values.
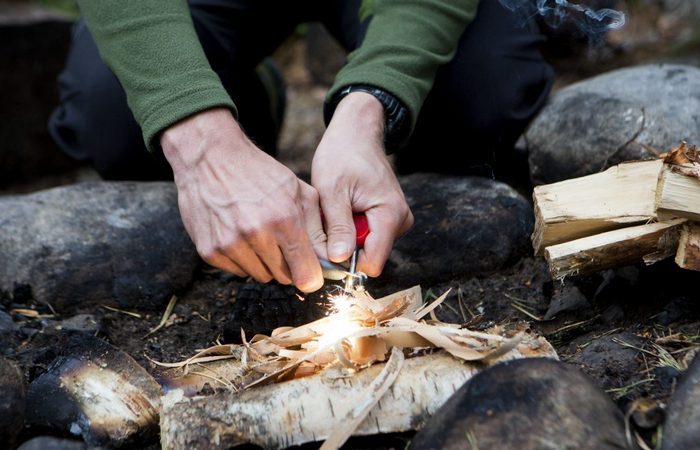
x=35, y=35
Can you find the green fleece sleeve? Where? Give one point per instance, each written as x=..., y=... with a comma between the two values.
x=153, y=49
x=406, y=42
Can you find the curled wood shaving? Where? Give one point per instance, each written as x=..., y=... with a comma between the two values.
x=357, y=337
x=371, y=396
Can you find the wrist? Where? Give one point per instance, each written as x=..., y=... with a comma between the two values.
x=397, y=122
x=185, y=142
x=363, y=111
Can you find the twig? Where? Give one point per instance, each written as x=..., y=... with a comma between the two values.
x=462, y=306
x=198, y=314
x=526, y=312
x=128, y=313
x=624, y=390
x=166, y=316
x=573, y=325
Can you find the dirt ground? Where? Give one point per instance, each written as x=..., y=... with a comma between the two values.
x=634, y=330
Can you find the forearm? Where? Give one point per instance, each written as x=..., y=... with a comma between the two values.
x=406, y=43
x=153, y=49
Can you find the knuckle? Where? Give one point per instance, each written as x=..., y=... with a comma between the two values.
x=341, y=228
x=208, y=254
x=263, y=277
x=318, y=236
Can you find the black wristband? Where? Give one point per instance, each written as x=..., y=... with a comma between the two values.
x=396, y=115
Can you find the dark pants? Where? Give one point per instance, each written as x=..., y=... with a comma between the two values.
x=480, y=103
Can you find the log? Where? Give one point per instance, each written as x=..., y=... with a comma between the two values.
x=688, y=254
x=621, y=196
x=649, y=243
x=678, y=193
x=306, y=409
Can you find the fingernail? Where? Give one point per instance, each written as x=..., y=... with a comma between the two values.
x=340, y=249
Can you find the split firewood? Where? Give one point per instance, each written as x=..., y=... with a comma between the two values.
x=688, y=255
x=621, y=196
x=678, y=193
x=649, y=243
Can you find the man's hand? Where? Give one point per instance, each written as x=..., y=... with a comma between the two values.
x=352, y=174
x=246, y=213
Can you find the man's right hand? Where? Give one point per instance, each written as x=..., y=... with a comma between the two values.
x=246, y=213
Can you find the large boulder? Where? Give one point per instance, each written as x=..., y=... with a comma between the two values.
x=94, y=243
x=464, y=226
x=528, y=404
x=12, y=401
x=682, y=427
x=626, y=114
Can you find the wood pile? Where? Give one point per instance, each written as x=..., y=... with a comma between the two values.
x=641, y=211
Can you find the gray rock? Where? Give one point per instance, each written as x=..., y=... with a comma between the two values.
x=96, y=391
x=609, y=361
x=8, y=330
x=12, y=401
x=95, y=243
x=33, y=46
x=87, y=323
x=682, y=426
x=464, y=226
x=526, y=404
x=626, y=114
x=569, y=298
x=52, y=443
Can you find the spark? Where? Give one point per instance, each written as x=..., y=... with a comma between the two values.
x=342, y=324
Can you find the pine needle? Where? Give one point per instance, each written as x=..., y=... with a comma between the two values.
x=121, y=311
x=166, y=316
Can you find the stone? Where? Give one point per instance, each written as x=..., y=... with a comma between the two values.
x=12, y=401
x=464, y=226
x=119, y=243
x=627, y=114
x=96, y=391
x=608, y=361
x=569, y=298
x=8, y=333
x=682, y=426
x=33, y=47
x=86, y=323
x=52, y=443
x=528, y=404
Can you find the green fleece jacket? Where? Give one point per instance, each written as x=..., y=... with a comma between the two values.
x=152, y=47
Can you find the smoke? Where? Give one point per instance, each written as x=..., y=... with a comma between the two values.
x=588, y=21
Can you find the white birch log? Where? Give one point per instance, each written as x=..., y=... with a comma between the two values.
x=305, y=410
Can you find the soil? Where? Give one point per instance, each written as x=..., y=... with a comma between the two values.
x=634, y=334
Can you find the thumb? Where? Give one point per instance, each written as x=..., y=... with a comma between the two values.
x=340, y=229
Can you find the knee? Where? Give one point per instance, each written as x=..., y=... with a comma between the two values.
x=92, y=121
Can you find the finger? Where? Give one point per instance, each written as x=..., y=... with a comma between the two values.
x=385, y=226
x=340, y=229
x=224, y=263
x=272, y=258
x=312, y=219
x=244, y=256
x=301, y=258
